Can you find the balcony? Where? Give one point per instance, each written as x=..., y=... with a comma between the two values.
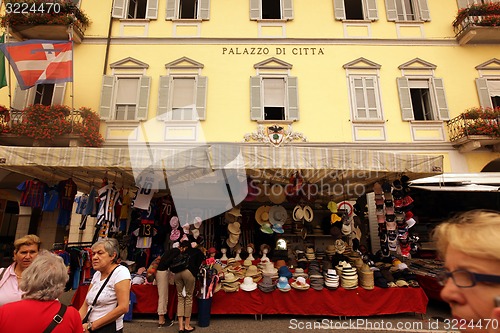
x=478, y=24
x=57, y=22
x=475, y=128
x=49, y=126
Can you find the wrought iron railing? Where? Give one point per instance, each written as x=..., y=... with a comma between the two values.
x=463, y=126
x=14, y=117
x=462, y=22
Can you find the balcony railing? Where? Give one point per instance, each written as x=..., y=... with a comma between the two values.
x=478, y=24
x=468, y=132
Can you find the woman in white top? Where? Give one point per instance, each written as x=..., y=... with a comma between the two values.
x=113, y=302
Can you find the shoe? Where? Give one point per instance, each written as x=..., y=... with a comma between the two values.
x=169, y=323
x=191, y=330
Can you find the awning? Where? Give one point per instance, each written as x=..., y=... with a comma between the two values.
x=333, y=170
x=460, y=182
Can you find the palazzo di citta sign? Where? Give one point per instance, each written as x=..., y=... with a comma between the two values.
x=299, y=51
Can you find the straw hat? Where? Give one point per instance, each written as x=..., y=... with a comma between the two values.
x=234, y=228
x=298, y=213
x=252, y=270
x=308, y=214
x=233, y=215
x=277, y=194
x=262, y=214
x=266, y=228
x=229, y=278
x=247, y=263
x=300, y=284
x=277, y=215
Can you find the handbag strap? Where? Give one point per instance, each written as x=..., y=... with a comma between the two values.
x=99, y=292
x=58, y=318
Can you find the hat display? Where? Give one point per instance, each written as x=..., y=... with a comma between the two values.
x=262, y=214
x=283, y=284
x=230, y=277
x=277, y=214
x=277, y=194
x=299, y=272
x=267, y=285
x=308, y=214
x=252, y=270
x=300, y=284
x=298, y=213
x=269, y=269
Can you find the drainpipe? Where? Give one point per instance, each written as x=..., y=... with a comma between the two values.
x=108, y=41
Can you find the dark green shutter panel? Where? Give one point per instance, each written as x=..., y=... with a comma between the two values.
x=108, y=82
x=163, y=96
x=390, y=8
x=20, y=97
x=201, y=97
x=338, y=8
x=255, y=9
x=58, y=95
x=142, y=108
x=483, y=93
x=424, y=10
x=152, y=11
x=287, y=10
x=205, y=9
x=442, y=105
x=371, y=6
x=405, y=99
x=293, y=99
x=170, y=11
x=118, y=9
x=256, y=112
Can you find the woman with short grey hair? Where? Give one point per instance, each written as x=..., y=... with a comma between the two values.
x=42, y=283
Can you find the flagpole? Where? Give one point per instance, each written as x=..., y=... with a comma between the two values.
x=9, y=77
x=72, y=79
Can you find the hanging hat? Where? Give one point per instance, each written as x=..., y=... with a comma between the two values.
x=277, y=228
x=174, y=222
x=277, y=194
x=298, y=213
x=234, y=228
x=277, y=215
x=197, y=222
x=233, y=215
x=262, y=214
x=308, y=213
x=196, y=233
x=175, y=234
x=335, y=218
x=266, y=228
x=332, y=206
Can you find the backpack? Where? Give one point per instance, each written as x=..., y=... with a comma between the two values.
x=180, y=263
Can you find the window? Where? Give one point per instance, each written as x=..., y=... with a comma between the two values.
x=135, y=9
x=356, y=10
x=188, y=9
x=125, y=97
x=422, y=99
x=271, y=10
x=46, y=94
x=182, y=97
x=365, y=97
x=489, y=92
x=407, y=10
x=274, y=98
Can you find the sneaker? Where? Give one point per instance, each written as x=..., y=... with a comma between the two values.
x=169, y=323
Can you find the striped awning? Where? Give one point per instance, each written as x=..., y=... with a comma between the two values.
x=319, y=165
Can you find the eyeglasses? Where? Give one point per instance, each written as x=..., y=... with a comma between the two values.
x=465, y=279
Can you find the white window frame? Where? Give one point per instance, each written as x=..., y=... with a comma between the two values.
x=285, y=94
x=355, y=102
x=286, y=11
x=121, y=7
x=173, y=10
x=117, y=78
x=420, y=8
x=369, y=8
x=23, y=98
x=483, y=89
x=194, y=114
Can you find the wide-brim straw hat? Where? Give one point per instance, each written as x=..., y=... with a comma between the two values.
x=308, y=214
x=277, y=215
x=298, y=213
x=252, y=270
x=277, y=194
x=234, y=228
x=230, y=278
x=262, y=214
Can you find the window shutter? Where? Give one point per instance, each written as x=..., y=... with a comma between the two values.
x=108, y=83
x=288, y=9
x=462, y=3
x=163, y=96
x=119, y=9
x=142, y=110
x=255, y=9
x=338, y=8
x=20, y=97
x=293, y=99
x=371, y=8
x=205, y=9
x=483, y=93
x=58, y=95
x=442, y=105
x=201, y=97
x=424, y=10
x=371, y=96
x=170, y=12
x=390, y=8
x=405, y=99
x=256, y=112
x=152, y=11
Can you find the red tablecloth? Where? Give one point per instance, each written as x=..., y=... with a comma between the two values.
x=431, y=286
x=340, y=302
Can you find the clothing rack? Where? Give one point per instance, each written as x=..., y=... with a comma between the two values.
x=65, y=245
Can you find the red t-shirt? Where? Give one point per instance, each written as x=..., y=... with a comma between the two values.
x=34, y=316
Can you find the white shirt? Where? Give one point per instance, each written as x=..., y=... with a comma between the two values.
x=107, y=300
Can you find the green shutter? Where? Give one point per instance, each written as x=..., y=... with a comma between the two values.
x=287, y=9
x=405, y=99
x=205, y=9
x=462, y=3
x=424, y=10
x=255, y=9
x=152, y=11
x=293, y=99
x=371, y=8
x=338, y=9
x=256, y=112
x=483, y=93
x=119, y=9
x=58, y=95
x=108, y=83
x=20, y=96
x=201, y=97
x=442, y=105
x=163, y=96
x=390, y=8
x=142, y=109
x=170, y=11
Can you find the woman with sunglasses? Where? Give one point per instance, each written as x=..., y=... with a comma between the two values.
x=469, y=243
